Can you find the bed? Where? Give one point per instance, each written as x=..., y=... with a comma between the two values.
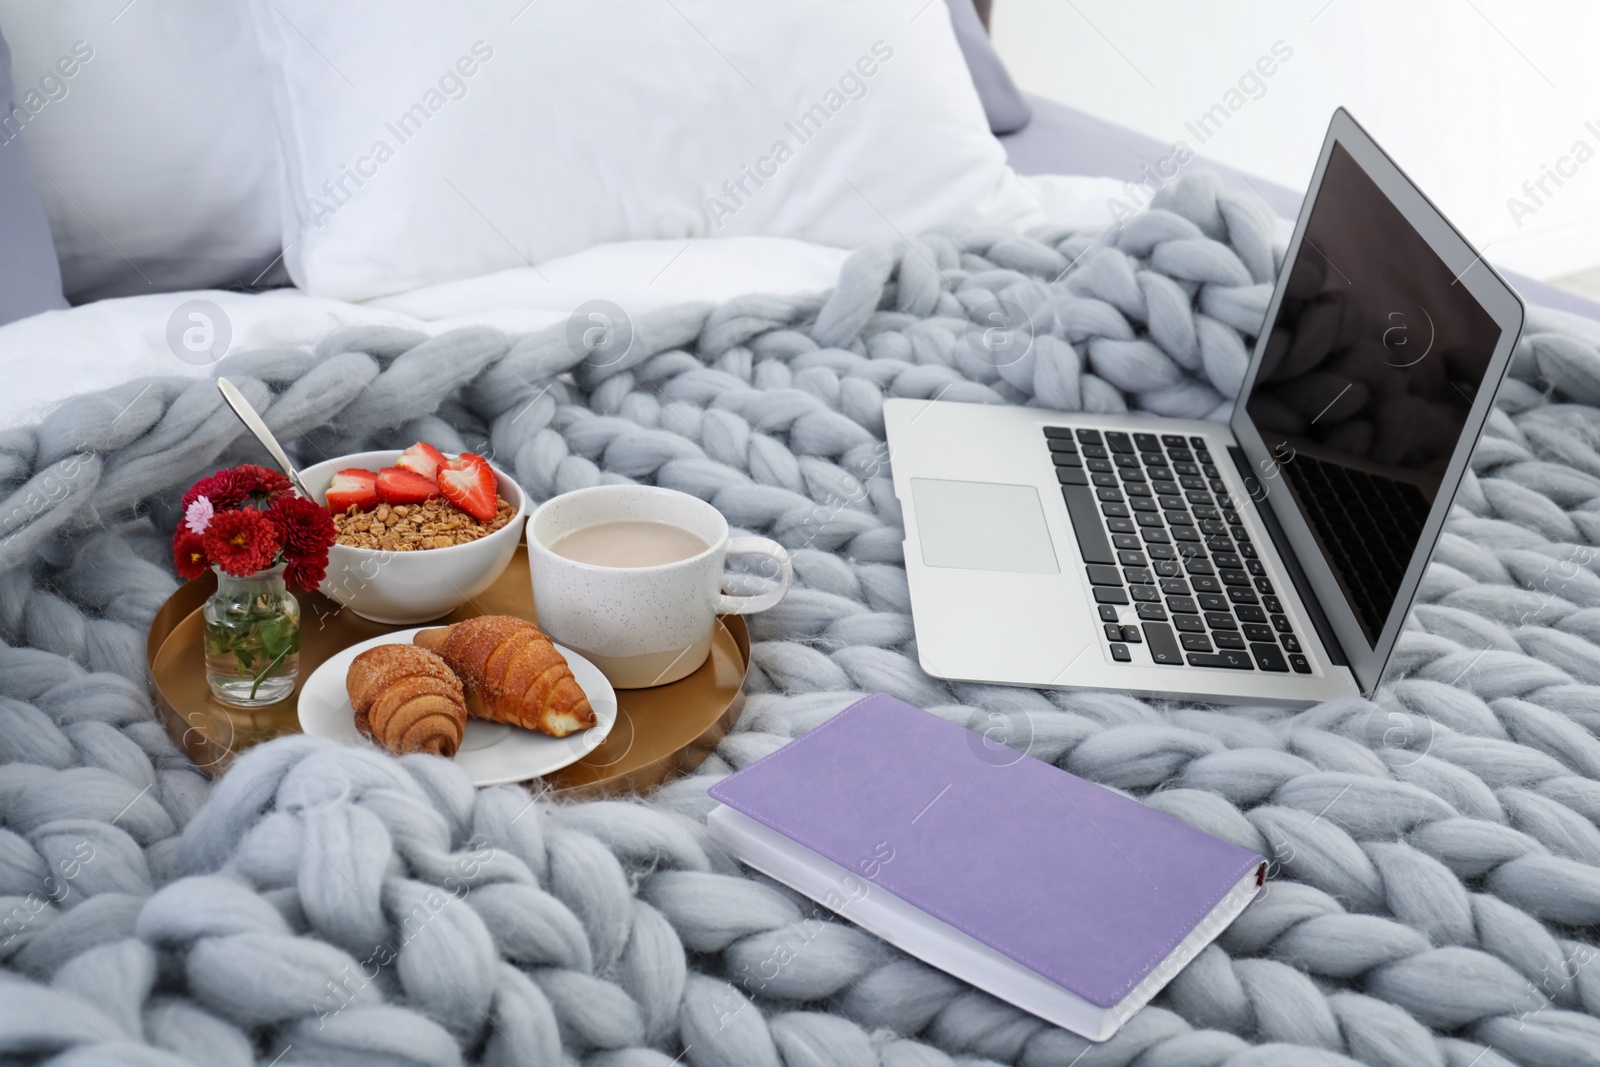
x=1435, y=888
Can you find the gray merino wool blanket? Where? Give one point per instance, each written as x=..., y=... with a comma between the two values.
x=1436, y=853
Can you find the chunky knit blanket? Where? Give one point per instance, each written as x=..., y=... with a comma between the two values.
x=1436, y=853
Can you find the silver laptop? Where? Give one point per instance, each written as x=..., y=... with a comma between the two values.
x=1270, y=559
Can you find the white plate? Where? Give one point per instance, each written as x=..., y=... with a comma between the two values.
x=491, y=753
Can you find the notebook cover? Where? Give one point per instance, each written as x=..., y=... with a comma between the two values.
x=1073, y=881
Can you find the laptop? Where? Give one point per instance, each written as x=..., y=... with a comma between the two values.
x=1269, y=559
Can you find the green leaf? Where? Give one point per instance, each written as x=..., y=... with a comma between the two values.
x=279, y=637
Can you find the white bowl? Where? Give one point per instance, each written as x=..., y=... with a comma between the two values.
x=420, y=585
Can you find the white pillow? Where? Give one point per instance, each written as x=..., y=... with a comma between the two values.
x=150, y=133
x=425, y=142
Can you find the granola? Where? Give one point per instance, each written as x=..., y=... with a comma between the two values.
x=434, y=523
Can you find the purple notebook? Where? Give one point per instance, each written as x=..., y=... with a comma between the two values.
x=1049, y=891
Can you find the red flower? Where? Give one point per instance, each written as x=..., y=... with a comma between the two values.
x=307, y=530
x=306, y=572
x=307, y=526
x=242, y=542
x=267, y=480
x=189, y=554
x=201, y=488
x=225, y=489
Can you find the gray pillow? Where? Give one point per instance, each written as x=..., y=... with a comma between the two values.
x=1002, y=102
x=30, y=276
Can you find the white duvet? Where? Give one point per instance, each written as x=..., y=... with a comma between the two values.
x=50, y=357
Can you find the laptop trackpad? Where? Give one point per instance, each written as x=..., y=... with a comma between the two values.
x=979, y=526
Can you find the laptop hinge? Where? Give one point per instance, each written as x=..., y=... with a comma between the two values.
x=1297, y=575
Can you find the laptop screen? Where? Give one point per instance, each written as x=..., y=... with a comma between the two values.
x=1365, y=385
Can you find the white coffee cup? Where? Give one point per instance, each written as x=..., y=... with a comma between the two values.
x=642, y=626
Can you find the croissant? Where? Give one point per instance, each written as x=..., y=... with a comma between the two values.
x=407, y=699
x=512, y=674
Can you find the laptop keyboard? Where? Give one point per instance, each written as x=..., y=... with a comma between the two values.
x=1159, y=534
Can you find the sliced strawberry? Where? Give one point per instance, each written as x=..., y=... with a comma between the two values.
x=353, y=488
x=422, y=458
x=397, y=486
x=469, y=484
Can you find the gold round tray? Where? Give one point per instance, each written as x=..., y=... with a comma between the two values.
x=660, y=732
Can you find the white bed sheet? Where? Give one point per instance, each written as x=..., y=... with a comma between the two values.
x=59, y=354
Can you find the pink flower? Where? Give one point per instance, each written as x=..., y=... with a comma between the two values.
x=198, y=515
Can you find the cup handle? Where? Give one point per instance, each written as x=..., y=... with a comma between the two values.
x=757, y=546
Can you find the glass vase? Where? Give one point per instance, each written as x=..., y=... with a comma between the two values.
x=252, y=630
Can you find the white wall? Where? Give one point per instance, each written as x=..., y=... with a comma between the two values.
x=1471, y=97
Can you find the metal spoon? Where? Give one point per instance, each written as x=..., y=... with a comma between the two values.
x=252, y=421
